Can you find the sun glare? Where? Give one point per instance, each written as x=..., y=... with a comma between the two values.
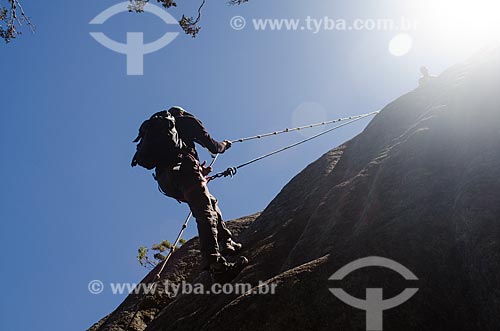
x=463, y=21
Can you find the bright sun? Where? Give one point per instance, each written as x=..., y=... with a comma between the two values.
x=463, y=22
x=457, y=24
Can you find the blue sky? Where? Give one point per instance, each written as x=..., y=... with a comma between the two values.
x=71, y=207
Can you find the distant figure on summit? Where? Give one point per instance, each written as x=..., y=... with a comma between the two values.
x=167, y=144
x=426, y=78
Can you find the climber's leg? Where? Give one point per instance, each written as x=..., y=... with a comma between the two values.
x=206, y=218
x=226, y=244
x=223, y=232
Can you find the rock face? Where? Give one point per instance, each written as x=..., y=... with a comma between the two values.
x=420, y=186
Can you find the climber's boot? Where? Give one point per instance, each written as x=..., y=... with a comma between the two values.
x=224, y=272
x=230, y=247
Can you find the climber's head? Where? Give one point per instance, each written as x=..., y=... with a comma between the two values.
x=424, y=71
x=177, y=111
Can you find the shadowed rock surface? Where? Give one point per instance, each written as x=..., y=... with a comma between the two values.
x=420, y=185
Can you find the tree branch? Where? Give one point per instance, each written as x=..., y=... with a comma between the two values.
x=12, y=21
x=188, y=24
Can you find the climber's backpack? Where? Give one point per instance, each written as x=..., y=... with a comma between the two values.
x=158, y=142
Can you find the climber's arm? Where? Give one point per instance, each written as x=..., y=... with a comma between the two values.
x=203, y=138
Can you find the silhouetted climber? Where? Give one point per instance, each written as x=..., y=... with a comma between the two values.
x=167, y=143
x=426, y=78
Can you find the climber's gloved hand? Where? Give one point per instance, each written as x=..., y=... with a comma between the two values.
x=227, y=144
x=205, y=170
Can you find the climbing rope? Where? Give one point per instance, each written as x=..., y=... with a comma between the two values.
x=275, y=133
x=230, y=172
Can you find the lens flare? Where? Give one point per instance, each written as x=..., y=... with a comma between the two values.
x=401, y=44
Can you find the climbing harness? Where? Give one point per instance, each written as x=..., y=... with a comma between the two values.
x=230, y=172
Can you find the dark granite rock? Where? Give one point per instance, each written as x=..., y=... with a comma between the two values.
x=420, y=185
